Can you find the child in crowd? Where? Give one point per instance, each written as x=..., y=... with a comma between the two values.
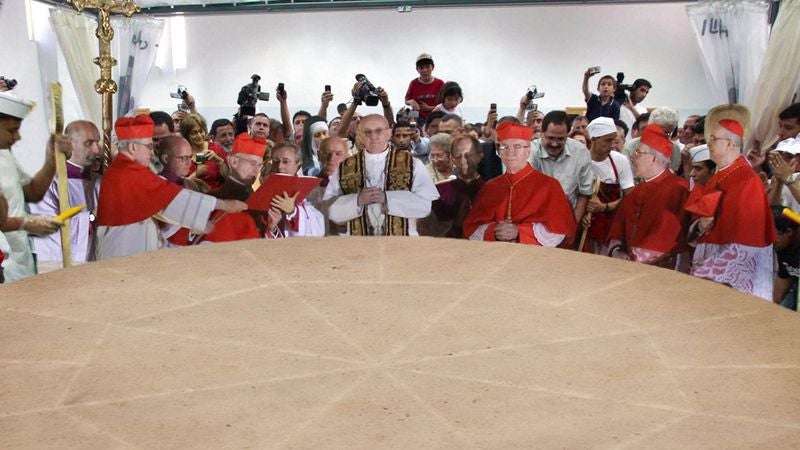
x=603, y=105
x=450, y=98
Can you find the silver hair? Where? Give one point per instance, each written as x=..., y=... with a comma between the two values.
x=661, y=160
x=664, y=116
x=735, y=138
x=441, y=140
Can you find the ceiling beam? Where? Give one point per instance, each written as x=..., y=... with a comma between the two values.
x=267, y=6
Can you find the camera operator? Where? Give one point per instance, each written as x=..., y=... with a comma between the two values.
x=350, y=113
x=298, y=119
x=179, y=115
x=632, y=107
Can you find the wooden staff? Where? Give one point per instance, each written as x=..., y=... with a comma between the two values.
x=57, y=129
x=595, y=190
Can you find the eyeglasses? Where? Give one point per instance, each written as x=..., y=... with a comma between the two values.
x=712, y=139
x=515, y=147
x=149, y=146
x=183, y=159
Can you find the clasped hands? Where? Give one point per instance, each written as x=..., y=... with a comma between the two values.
x=506, y=231
x=371, y=195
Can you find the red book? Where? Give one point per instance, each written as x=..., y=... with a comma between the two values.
x=277, y=184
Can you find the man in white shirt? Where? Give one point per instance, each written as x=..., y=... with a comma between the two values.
x=18, y=187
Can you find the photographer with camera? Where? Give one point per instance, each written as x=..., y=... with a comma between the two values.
x=363, y=92
x=6, y=84
x=185, y=107
x=632, y=108
x=603, y=105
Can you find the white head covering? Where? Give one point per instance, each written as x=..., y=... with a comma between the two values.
x=700, y=153
x=790, y=146
x=316, y=126
x=14, y=106
x=601, y=126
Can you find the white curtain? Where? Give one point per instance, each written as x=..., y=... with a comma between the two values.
x=135, y=46
x=75, y=34
x=732, y=36
x=780, y=78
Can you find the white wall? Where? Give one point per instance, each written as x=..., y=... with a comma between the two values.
x=493, y=52
x=20, y=61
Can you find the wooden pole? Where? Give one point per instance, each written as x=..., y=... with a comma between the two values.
x=57, y=129
x=595, y=190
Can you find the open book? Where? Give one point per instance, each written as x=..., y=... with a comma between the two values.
x=277, y=184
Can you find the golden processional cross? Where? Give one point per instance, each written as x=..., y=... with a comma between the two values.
x=106, y=86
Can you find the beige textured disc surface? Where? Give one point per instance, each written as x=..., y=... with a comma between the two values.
x=391, y=342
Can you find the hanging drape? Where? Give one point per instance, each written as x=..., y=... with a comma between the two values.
x=75, y=34
x=732, y=36
x=780, y=77
x=135, y=46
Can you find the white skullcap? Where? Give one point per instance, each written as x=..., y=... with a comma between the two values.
x=14, y=106
x=700, y=153
x=790, y=146
x=601, y=126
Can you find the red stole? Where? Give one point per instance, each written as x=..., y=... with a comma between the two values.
x=651, y=216
x=743, y=215
x=131, y=193
x=530, y=197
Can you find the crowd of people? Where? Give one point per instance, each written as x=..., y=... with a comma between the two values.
x=620, y=181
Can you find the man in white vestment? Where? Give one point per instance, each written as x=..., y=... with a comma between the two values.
x=380, y=191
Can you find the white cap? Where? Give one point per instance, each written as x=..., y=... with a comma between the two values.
x=700, y=153
x=790, y=146
x=602, y=126
x=14, y=106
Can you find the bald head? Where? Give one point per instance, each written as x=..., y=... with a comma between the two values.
x=373, y=133
x=85, y=141
x=175, y=154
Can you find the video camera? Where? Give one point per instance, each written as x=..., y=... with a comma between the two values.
x=621, y=94
x=367, y=93
x=532, y=94
x=249, y=95
x=182, y=94
x=10, y=83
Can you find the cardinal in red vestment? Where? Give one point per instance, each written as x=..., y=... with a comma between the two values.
x=734, y=218
x=522, y=205
x=649, y=226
